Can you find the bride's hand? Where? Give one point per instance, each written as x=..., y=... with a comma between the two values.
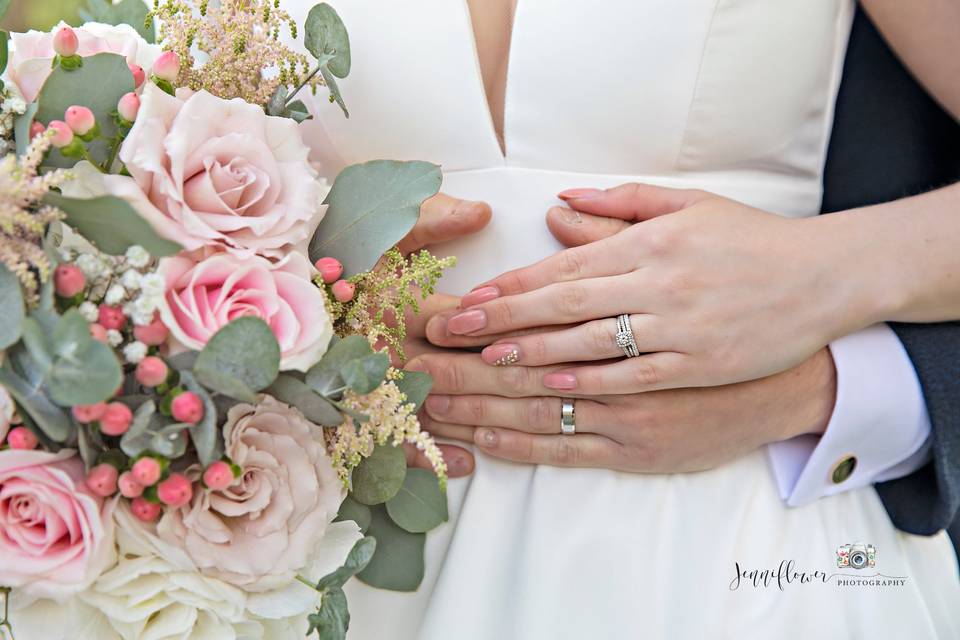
x=718, y=293
x=657, y=432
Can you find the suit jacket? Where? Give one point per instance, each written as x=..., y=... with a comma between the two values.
x=891, y=140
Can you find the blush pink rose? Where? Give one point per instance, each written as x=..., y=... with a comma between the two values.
x=56, y=537
x=208, y=172
x=262, y=530
x=201, y=297
x=31, y=53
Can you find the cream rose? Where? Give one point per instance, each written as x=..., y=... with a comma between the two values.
x=56, y=537
x=260, y=532
x=31, y=53
x=208, y=172
x=201, y=297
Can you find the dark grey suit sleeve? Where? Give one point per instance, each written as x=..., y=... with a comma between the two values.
x=891, y=140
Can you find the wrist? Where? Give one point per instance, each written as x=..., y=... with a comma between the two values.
x=814, y=385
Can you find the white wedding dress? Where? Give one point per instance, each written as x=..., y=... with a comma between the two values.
x=731, y=96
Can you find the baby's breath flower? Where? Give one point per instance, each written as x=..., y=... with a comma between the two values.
x=114, y=338
x=135, y=352
x=89, y=311
x=153, y=285
x=115, y=294
x=137, y=256
x=131, y=279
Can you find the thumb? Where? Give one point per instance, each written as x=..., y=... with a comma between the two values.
x=444, y=218
x=575, y=229
x=634, y=202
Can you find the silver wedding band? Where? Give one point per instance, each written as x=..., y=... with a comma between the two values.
x=625, y=339
x=568, y=417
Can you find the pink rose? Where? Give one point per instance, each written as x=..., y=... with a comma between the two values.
x=201, y=297
x=56, y=537
x=209, y=172
x=261, y=531
x=31, y=53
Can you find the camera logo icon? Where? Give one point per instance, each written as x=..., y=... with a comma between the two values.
x=856, y=556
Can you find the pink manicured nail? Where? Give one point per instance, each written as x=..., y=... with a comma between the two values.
x=579, y=194
x=467, y=322
x=501, y=355
x=561, y=381
x=479, y=296
x=486, y=438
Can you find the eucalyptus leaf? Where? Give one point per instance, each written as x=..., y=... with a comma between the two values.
x=205, y=435
x=241, y=358
x=111, y=224
x=169, y=440
x=98, y=85
x=350, y=509
x=327, y=39
x=365, y=374
x=372, y=207
x=335, y=96
x=131, y=12
x=420, y=505
x=398, y=562
x=90, y=444
x=278, y=101
x=297, y=111
x=35, y=340
x=333, y=619
x=150, y=431
x=416, y=386
x=84, y=371
x=136, y=440
x=183, y=361
x=12, y=312
x=21, y=127
x=33, y=399
x=324, y=377
x=379, y=477
x=4, y=50
x=314, y=407
x=357, y=560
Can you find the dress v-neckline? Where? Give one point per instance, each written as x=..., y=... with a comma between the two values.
x=495, y=111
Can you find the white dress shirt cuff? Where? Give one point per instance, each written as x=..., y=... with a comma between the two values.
x=879, y=425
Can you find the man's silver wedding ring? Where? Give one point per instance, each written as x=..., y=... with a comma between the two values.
x=568, y=417
x=625, y=339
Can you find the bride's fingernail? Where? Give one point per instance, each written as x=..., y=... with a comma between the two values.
x=479, y=296
x=467, y=322
x=486, y=438
x=560, y=381
x=570, y=216
x=500, y=355
x=579, y=194
x=438, y=404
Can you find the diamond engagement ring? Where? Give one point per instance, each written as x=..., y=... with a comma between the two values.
x=625, y=339
x=568, y=423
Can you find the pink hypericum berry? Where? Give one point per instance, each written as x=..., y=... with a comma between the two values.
x=21, y=438
x=146, y=471
x=102, y=479
x=65, y=42
x=80, y=119
x=68, y=280
x=187, y=407
x=129, y=107
x=218, y=476
x=98, y=332
x=167, y=66
x=343, y=291
x=330, y=269
x=175, y=491
x=144, y=511
x=152, y=371
x=111, y=317
x=139, y=77
x=87, y=413
x=116, y=419
x=153, y=334
x=62, y=134
x=36, y=129
x=129, y=487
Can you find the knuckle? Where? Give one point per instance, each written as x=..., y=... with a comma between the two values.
x=572, y=264
x=477, y=409
x=535, y=347
x=566, y=453
x=571, y=299
x=514, y=380
x=501, y=313
x=537, y=412
x=599, y=337
x=646, y=374
x=449, y=375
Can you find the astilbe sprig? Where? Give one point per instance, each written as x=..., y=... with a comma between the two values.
x=23, y=216
x=245, y=56
x=385, y=293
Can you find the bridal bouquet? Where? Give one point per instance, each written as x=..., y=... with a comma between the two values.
x=200, y=428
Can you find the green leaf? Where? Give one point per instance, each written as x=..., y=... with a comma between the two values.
x=350, y=509
x=241, y=358
x=21, y=127
x=326, y=38
x=324, y=377
x=91, y=445
x=32, y=397
x=398, y=562
x=357, y=560
x=365, y=374
x=84, y=370
x=297, y=111
x=149, y=431
x=205, y=435
x=334, y=89
x=416, y=386
x=372, y=207
x=98, y=85
x=315, y=408
x=4, y=49
x=420, y=505
x=333, y=619
x=111, y=224
x=136, y=440
x=12, y=313
x=131, y=12
x=278, y=101
x=380, y=476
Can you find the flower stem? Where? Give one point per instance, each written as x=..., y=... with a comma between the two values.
x=302, y=85
x=5, y=625
x=114, y=149
x=308, y=583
